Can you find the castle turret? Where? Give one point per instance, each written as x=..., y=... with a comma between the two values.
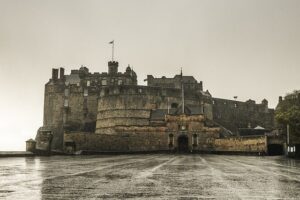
x=264, y=102
x=113, y=67
x=128, y=70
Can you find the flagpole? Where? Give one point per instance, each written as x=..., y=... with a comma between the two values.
x=113, y=48
x=182, y=98
x=182, y=91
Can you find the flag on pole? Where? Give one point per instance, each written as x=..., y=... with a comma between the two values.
x=112, y=49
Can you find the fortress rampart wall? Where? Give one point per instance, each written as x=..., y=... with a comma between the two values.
x=233, y=114
x=159, y=141
x=132, y=105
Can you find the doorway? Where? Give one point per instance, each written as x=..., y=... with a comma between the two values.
x=297, y=152
x=183, y=144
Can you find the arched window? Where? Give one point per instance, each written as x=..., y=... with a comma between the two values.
x=195, y=140
x=171, y=140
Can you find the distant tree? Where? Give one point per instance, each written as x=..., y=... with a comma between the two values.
x=288, y=112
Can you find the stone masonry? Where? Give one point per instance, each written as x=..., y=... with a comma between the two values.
x=109, y=111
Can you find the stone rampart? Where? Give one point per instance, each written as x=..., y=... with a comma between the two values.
x=241, y=144
x=142, y=141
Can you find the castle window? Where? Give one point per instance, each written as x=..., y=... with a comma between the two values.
x=85, y=92
x=174, y=105
x=171, y=138
x=235, y=105
x=67, y=91
x=195, y=140
x=66, y=103
x=104, y=82
x=120, y=82
x=140, y=90
x=213, y=102
x=88, y=83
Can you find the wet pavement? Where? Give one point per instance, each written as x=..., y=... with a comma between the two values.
x=150, y=177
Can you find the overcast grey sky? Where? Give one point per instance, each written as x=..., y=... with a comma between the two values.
x=244, y=48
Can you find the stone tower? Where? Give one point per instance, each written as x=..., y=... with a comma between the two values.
x=113, y=67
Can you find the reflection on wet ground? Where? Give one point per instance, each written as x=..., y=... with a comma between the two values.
x=150, y=177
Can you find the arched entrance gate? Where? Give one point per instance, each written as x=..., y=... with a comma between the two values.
x=183, y=144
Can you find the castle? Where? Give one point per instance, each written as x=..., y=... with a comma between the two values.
x=110, y=112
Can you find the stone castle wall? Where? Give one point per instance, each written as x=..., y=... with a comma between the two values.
x=144, y=141
x=241, y=144
x=235, y=114
x=160, y=141
x=132, y=105
x=106, y=103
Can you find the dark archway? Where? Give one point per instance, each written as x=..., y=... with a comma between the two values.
x=183, y=144
x=297, y=152
x=275, y=149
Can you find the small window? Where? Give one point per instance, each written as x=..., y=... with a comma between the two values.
x=140, y=90
x=88, y=83
x=195, y=143
x=120, y=82
x=85, y=92
x=104, y=82
x=67, y=91
x=170, y=140
x=235, y=105
x=66, y=103
x=174, y=105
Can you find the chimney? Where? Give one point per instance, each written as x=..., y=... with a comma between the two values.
x=54, y=74
x=61, y=73
x=280, y=99
x=201, y=85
